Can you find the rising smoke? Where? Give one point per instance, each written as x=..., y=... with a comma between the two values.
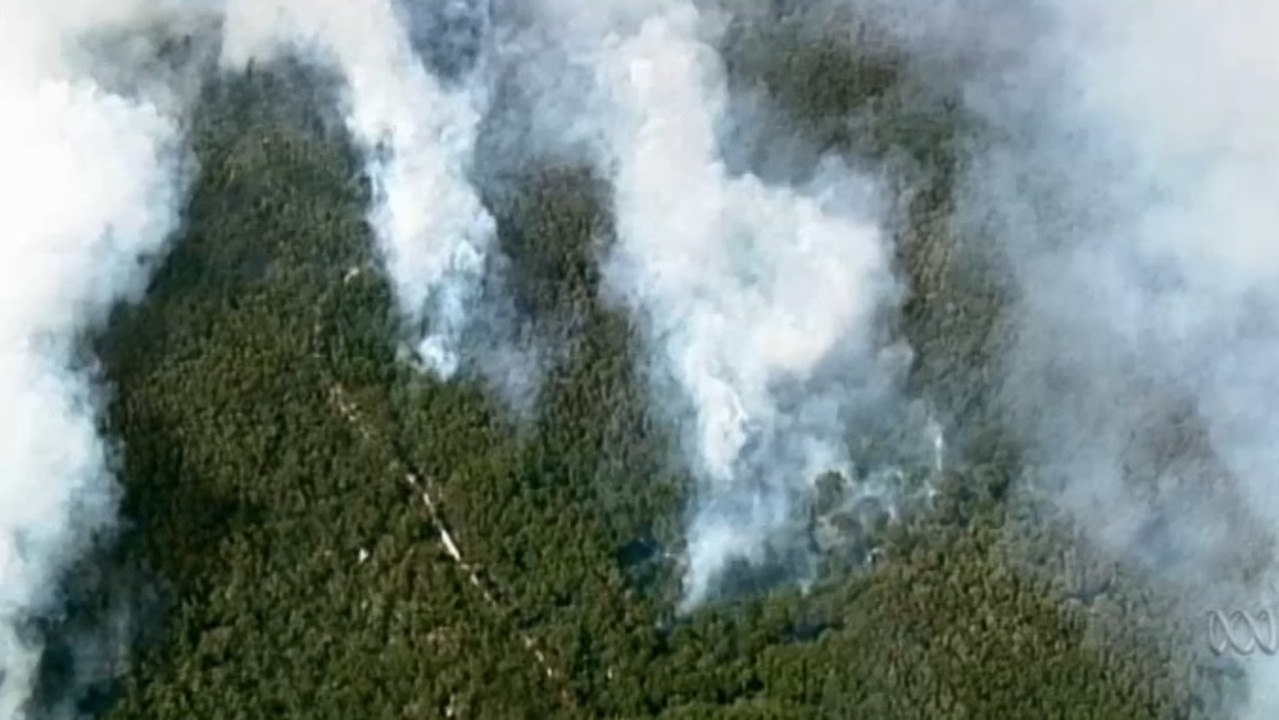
x=90, y=185
x=1129, y=177
x=760, y=302
x=415, y=93
x=1123, y=172
x=746, y=290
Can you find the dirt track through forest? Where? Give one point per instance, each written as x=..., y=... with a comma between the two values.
x=426, y=489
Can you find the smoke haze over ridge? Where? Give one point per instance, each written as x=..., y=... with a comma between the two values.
x=91, y=187
x=1125, y=182
x=760, y=303
x=417, y=132
x=1128, y=178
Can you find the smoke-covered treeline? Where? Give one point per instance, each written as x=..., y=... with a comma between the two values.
x=91, y=184
x=276, y=501
x=631, y=359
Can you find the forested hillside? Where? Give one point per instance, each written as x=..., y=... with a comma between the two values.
x=276, y=454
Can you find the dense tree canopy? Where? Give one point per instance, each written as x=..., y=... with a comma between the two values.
x=269, y=435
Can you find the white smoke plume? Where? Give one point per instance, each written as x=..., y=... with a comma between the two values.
x=89, y=191
x=1130, y=175
x=416, y=122
x=759, y=302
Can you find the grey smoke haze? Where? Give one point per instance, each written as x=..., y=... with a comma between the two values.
x=1130, y=179
x=415, y=93
x=417, y=84
x=90, y=190
x=759, y=302
x=1126, y=173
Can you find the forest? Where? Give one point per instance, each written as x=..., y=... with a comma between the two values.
x=288, y=476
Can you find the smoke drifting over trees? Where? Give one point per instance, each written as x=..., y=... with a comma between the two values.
x=91, y=186
x=791, y=312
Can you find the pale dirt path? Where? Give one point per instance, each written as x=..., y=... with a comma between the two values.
x=427, y=490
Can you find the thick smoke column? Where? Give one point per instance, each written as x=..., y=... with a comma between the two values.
x=1131, y=175
x=415, y=96
x=88, y=192
x=758, y=301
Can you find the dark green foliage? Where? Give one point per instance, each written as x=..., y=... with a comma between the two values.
x=305, y=574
